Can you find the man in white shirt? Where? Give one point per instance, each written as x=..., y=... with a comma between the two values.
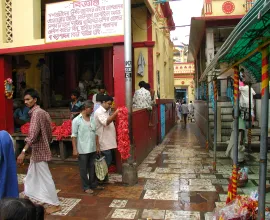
x=244, y=99
x=105, y=130
x=191, y=111
x=142, y=97
x=184, y=110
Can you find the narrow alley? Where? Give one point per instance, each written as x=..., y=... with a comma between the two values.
x=175, y=182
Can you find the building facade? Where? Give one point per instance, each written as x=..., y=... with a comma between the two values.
x=84, y=40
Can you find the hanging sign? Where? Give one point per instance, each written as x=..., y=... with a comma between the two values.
x=77, y=19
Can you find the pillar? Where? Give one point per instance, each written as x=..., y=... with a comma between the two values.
x=70, y=72
x=108, y=70
x=119, y=75
x=6, y=110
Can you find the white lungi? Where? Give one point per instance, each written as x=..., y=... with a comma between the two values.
x=39, y=185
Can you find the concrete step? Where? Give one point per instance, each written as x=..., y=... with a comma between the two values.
x=225, y=138
x=223, y=117
x=225, y=110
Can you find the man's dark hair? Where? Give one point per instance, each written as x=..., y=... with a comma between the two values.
x=33, y=93
x=242, y=70
x=99, y=97
x=147, y=86
x=76, y=93
x=42, y=61
x=190, y=101
x=87, y=104
x=23, y=84
x=141, y=84
x=101, y=87
x=20, y=209
x=107, y=98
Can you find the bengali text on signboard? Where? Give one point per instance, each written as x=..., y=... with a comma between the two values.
x=73, y=20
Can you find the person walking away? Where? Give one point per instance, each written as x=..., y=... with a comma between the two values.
x=105, y=130
x=101, y=91
x=75, y=105
x=38, y=183
x=177, y=105
x=142, y=97
x=244, y=100
x=84, y=144
x=191, y=110
x=184, y=110
x=45, y=83
x=241, y=140
x=8, y=169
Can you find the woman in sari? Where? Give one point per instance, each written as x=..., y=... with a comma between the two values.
x=8, y=170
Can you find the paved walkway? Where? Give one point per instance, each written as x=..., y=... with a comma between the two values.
x=175, y=182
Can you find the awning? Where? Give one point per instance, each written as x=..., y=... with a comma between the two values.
x=197, y=30
x=242, y=45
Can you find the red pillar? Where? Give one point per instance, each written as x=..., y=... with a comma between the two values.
x=108, y=70
x=119, y=75
x=6, y=110
x=70, y=72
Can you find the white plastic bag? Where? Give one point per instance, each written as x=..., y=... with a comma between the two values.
x=101, y=168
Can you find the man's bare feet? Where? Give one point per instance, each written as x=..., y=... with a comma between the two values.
x=53, y=209
x=89, y=191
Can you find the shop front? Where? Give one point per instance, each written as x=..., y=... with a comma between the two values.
x=72, y=58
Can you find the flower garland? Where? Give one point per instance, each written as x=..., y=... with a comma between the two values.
x=8, y=88
x=62, y=131
x=123, y=133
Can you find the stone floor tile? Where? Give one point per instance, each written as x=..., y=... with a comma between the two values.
x=115, y=178
x=220, y=181
x=220, y=204
x=161, y=195
x=67, y=204
x=124, y=213
x=208, y=176
x=21, y=178
x=197, y=188
x=208, y=216
x=187, y=176
x=198, y=182
x=162, y=185
x=185, y=215
x=153, y=214
x=116, y=203
x=223, y=197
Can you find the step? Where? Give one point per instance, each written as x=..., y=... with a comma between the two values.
x=223, y=117
x=225, y=138
x=223, y=125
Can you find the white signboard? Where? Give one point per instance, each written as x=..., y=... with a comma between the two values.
x=81, y=19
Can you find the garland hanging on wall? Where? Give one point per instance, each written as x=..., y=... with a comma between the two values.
x=123, y=133
x=8, y=83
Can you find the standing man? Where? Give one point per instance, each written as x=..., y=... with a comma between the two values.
x=84, y=145
x=105, y=130
x=38, y=183
x=45, y=83
x=101, y=91
x=191, y=111
x=142, y=97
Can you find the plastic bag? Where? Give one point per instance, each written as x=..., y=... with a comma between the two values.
x=101, y=168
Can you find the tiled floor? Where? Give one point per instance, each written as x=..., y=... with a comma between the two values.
x=176, y=182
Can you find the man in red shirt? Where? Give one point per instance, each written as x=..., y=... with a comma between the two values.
x=38, y=183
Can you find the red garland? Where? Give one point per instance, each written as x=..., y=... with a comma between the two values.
x=123, y=133
x=62, y=131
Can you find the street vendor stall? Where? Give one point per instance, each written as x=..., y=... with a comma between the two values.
x=248, y=46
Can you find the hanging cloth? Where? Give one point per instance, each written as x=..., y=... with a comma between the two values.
x=141, y=64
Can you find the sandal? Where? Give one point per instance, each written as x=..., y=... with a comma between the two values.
x=89, y=191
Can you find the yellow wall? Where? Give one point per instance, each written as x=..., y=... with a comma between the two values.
x=217, y=8
x=163, y=45
x=188, y=81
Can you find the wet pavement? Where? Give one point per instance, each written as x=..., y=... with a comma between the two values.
x=175, y=182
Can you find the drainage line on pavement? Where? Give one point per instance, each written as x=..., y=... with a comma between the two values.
x=215, y=125
x=236, y=131
x=264, y=132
